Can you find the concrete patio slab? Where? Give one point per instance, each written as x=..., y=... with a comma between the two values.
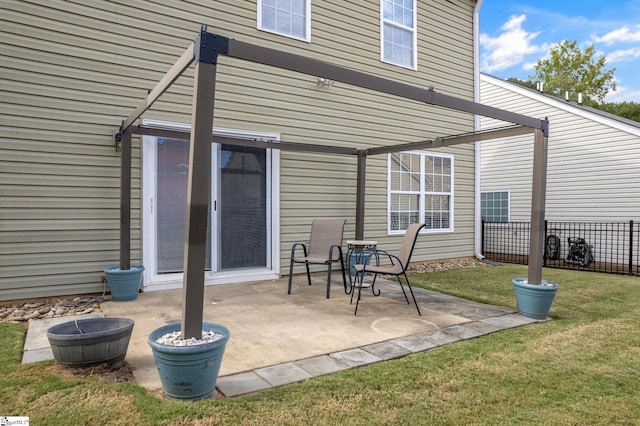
x=278, y=338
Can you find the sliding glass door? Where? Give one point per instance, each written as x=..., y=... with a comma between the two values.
x=240, y=237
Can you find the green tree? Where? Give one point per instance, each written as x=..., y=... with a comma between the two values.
x=570, y=69
x=630, y=110
x=526, y=83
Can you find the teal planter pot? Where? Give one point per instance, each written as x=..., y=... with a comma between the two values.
x=356, y=258
x=124, y=284
x=534, y=301
x=189, y=372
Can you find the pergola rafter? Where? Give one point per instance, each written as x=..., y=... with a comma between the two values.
x=204, y=53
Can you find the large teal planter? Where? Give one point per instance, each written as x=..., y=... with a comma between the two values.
x=124, y=284
x=534, y=301
x=189, y=372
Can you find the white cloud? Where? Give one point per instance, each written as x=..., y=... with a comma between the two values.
x=623, y=34
x=623, y=55
x=510, y=47
x=623, y=94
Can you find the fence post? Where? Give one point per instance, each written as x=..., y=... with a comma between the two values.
x=546, y=233
x=482, y=238
x=631, y=247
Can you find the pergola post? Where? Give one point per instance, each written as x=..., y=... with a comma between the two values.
x=538, y=194
x=360, y=192
x=198, y=192
x=125, y=201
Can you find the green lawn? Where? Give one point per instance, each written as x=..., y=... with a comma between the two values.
x=581, y=368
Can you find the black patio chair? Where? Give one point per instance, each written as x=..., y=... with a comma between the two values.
x=398, y=266
x=324, y=248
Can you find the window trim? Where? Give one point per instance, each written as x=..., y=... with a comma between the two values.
x=508, y=192
x=307, y=25
x=414, y=30
x=423, y=192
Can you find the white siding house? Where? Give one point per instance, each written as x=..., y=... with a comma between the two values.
x=72, y=71
x=593, y=158
x=592, y=176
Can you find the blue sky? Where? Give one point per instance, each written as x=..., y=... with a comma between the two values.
x=515, y=34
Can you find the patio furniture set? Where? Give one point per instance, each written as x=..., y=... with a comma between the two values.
x=324, y=247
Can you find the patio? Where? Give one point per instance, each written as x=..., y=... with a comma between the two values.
x=278, y=339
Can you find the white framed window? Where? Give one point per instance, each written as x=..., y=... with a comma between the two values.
x=495, y=206
x=420, y=190
x=291, y=18
x=398, y=32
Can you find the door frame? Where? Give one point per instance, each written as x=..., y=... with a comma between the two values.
x=153, y=281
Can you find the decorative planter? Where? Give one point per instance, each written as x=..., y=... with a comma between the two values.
x=124, y=284
x=534, y=301
x=189, y=372
x=85, y=342
x=356, y=258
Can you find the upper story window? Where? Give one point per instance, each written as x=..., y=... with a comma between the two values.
x=494, y=206
x=290, y=18
x=398, y=22
x=420, y=190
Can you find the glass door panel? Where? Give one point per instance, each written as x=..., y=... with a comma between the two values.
x=239, y=191
x=242, y=207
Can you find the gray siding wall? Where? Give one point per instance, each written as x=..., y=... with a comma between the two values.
x=72, y=70
x=592, y=162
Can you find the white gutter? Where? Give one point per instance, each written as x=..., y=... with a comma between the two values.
x=476, y=98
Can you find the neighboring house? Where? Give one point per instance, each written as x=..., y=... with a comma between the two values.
x=592, y=174
x=593, y=157
x=72, y=71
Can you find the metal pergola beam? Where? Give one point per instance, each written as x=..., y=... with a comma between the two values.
x=185, y=60
x=453, y=140
x=208, y=42
x=252, y=143
x=293, y=62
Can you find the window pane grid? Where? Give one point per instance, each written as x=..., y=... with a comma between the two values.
x=398, y=32
x=420, y=190
x=495, y=206
x=288, y=17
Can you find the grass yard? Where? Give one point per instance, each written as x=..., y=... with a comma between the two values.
x=581, y=368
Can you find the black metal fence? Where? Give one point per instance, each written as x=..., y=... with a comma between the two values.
x=610, y=247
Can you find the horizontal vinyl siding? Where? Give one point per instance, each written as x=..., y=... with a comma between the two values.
x=293, y=105
x=592, y=167
x=73, y=70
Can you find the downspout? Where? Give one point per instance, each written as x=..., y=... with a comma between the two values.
x=476, y=98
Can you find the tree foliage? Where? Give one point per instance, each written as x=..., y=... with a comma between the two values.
x=630, y=110
x=526, y=83
x=570, y=69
